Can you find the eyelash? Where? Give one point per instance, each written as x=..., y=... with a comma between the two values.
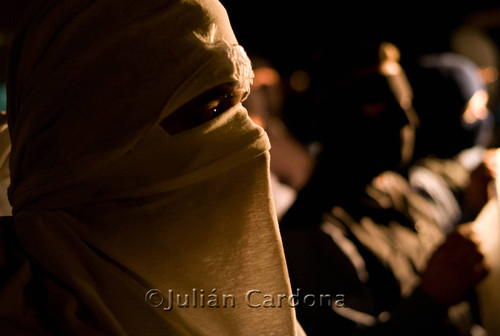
x=218, y=109
x=202, y=109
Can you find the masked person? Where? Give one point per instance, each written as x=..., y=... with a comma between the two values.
x=361, y=235
x=139, y=186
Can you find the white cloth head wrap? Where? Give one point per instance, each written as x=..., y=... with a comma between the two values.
x=108, y=203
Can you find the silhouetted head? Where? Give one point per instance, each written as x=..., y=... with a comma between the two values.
x=367, y=117
x=366, y=125
x=451, y=101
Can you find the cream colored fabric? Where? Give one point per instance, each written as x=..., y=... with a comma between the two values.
x=110, y=205
x=487, y=228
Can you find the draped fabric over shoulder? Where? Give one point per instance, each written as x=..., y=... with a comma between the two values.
x=108, y=206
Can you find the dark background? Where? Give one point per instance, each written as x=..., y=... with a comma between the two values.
x=290, y=32
x=10, y=12
x=310, y=34
x=322, y=37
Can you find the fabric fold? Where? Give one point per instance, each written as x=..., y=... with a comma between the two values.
x=121, y=221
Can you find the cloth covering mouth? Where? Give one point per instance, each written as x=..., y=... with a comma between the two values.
x=107, y=204
x=157, y=163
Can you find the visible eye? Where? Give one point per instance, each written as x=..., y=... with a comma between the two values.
x=226, y=101
x=205, y=107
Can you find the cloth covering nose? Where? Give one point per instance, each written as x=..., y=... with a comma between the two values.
x=108, y=206
x=105, y=72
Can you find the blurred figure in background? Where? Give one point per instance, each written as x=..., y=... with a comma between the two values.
x=451, y=100
x=452, y=97
x=362, y=234
x=291, y=162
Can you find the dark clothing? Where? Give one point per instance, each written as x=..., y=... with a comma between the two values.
x=368, y=252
